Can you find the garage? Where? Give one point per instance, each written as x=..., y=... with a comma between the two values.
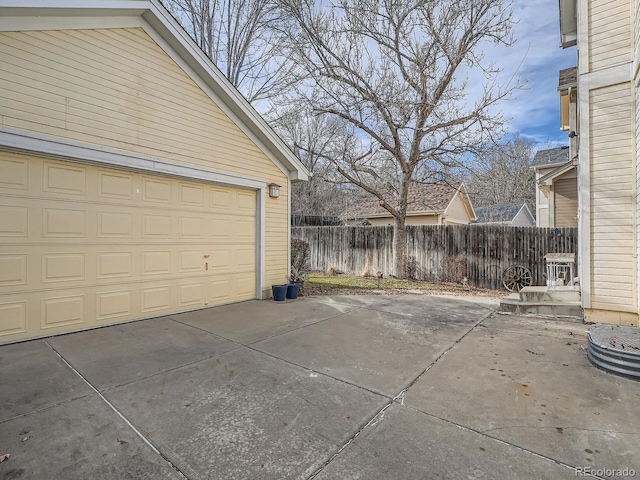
x=134, y=246
x=134, y=178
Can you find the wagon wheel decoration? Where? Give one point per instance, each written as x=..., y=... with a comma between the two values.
x=515, y=277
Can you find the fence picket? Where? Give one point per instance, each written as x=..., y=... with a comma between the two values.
x=486, y=249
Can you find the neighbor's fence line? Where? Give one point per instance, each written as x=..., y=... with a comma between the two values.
x=437, y=253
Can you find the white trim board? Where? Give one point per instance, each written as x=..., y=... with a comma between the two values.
x=50, y=147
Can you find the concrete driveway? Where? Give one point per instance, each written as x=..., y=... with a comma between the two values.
x=362, y=387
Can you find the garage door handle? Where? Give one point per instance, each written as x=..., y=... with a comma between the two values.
x=207, y=256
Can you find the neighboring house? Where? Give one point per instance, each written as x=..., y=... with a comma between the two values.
x=134, y=178
x=607, y=34
x=429, y=204
x=556, y=188
x=511, y=214
x=556, y=173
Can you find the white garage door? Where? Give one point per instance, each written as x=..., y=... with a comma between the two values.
x=83, y=246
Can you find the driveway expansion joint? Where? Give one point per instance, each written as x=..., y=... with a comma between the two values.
x=117, y=412
x=397, y=399
x=509, y=444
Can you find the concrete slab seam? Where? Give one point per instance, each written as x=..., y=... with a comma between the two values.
x=117, y=412
x=400, y=396
x=306, y=325
x=503, y=442
x=172, y=369
x=341, y=380
x=43, y=409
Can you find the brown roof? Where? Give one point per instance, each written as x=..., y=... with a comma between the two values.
x=422, y=198
x=567, y=78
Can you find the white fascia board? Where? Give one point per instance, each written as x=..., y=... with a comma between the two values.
x=28, y=143
x=167, y=32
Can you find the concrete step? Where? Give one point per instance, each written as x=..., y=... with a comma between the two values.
x=513, y=304
x=550, y=294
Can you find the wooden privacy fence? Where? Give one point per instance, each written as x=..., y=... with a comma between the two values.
x=439, y=253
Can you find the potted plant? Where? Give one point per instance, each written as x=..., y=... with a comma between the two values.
x=300, y=268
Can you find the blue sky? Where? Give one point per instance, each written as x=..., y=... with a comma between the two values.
x=535, y=112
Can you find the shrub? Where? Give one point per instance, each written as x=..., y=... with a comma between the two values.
x=412, y=268
x=366, y=273
x=300, y=255
x=454, y=269
x=332, y=271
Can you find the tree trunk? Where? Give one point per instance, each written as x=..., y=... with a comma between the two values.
x=398, y=246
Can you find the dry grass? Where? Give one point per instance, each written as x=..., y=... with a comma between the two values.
x=322, y=284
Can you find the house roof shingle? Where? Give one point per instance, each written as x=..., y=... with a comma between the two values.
x=551, y=156
x=497, y=213
x=422, y=198
x=567, y=78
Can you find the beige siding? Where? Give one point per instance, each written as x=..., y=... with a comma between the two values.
x=565, y=191
x=637, y=145
x=613, y=198
x=609, y=33
x=456, y=213
x=83, y=246
x=117, y=88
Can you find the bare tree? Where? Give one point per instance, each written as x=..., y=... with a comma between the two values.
x=396, y=72
x=244, y=39
x=312, y=138
x=504, y=174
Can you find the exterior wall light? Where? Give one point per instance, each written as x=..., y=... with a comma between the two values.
x=274, y=190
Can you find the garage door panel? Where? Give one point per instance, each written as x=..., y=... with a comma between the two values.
x=113, y=305
x=221, y=199
x=115, y=185
x=156, y=298
x=63, y=267
x=246, y=202
x=192, y=228
x=222, y=261
x=13, y=269
x=115, y=224
x=14, y=172
x=65, y=178
x=192, y=195
x=191, y=294
x=245, y=286
x=13, y=319
x=156, y=226
x=62, y=311
x=156, y=190
x=86, y=246
x=220, y=290
x=64, y=223
x=14, y=220
x=156, y=262
x=191, y=261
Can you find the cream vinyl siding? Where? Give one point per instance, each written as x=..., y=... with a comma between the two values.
x=613, y=198
x=83, y=246
x=456, y=213
x=117, y=88
x=610, y=39
x=565, y=191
